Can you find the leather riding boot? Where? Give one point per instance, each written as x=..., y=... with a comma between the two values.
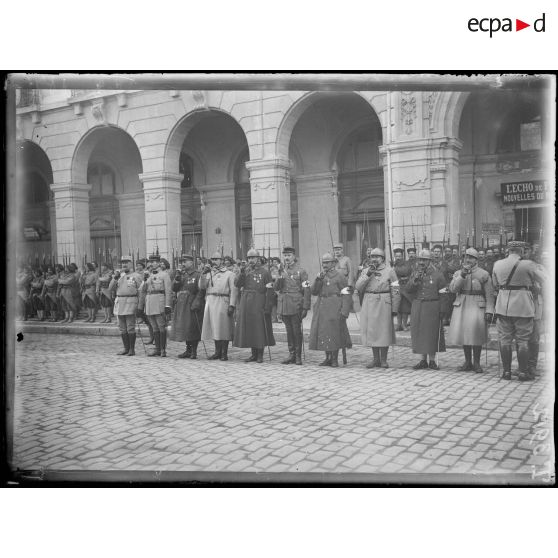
x=194, y=350
x=291, y=359
x=533, y=356
x=224, y=350
x=187, y=353
x=71, y=318
x=506, y=354
x=383, y=357
x=523, y=362
x=132, y=350
x=157, y=350
x=66, y=318
x=126, y=343
x=467, y=365
x=298, y=357
x=259, y=355
x=217, y=354
x=334, y=358
x=163, y=333
x=253, y=357
x=477, y=351
x=151, y=337
x=327, y=361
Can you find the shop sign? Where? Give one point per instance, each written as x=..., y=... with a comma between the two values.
x=533, y=191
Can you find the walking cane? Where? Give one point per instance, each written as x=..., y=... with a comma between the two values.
x=302, y=336
x=141, y=337
x=440, y=326
x=199, y=327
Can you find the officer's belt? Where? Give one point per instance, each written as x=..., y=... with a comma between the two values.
x=122, y=296
x=155, y=292
x=427, y=299
x=218, y=294
x=251, y=291
x=376, y=292
x=514, y=288
x=473, y=293
x=329, y=295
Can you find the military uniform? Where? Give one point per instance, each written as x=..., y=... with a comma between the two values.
x=188, y=311
x=105, y=294
x=329, y=331
x=292, y=305
x=473, y=303
x=68, y=287
x=515, y=307
x=403, y=270
x=50, y=286
x=89, y=293
x=427, y=333
x=253, y=324
x=126, y=306
x=220, y=301
x=155, y=302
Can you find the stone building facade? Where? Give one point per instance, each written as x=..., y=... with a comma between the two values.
x=124, y=171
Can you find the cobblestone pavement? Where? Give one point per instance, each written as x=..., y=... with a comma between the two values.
x=80, y=407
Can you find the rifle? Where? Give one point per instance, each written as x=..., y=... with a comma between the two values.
x=389, y=244
x=413, y=233
x=404, y=243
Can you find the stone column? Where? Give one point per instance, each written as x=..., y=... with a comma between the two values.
x=73, y=236
x=132, y=222
x=218, y=218
x=318, y=217
x=271, y=203
x=424, y=182
x=52, y=218
x=162, y=212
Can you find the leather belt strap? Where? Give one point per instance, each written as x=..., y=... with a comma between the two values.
x=427, y=299
x=329, y=295
x=377, y=292
x=123, y=296
x=155, y=292
x=514, y=288
x=217, y=294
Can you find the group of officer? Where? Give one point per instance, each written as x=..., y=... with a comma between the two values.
x=224, y=301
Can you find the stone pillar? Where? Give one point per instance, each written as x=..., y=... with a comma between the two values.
x=162, y=212
x=218, y=218
x=271, y=204
x=424, y=182
x=73, y=236
x=318, y=217
x=52, y=218
x=132, y=222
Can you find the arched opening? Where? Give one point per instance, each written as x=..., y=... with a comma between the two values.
x=337, y=176
x=36, y=239
x=109, y=161
x=502, y=134
x=215, y=190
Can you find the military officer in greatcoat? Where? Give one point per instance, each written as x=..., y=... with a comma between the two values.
x=89, y=291
x=220, y=302
x=403, y=270
x=515, y=307
x=188, y=312
x=329, y=331
x=293, y=302
x=49, y=293
x=104, y=292
x=427, y=333
x=380, y=302
x=127, y=284
x=472, y=310
x=155, y=303
x=253, y=320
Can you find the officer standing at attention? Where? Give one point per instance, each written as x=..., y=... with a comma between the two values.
x=403, y=270
x=427, y=333
x=293, y=302
x=221, y=296
x=472, y=310
x=253, y=327
x=515, y=307
x=329, y=331
x=379, y=303
x=188, y=311
x=156, y=302
x=126, y=304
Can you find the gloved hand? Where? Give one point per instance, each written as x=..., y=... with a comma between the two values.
x=320, y=275
x=488, y=317
x=370, y=272
x=351, y=290
x=344, y=316
x=230, y=311
x=168, y=310
x=206, y=268
x=303, y=314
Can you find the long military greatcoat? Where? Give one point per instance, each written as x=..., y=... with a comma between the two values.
x=50, y=287
x=37, y=293
x=376, y=321
x=427, y=333
x=103, y=289
x=253, y=319
x=220, y=294
x=329, y=331
x=68, y=283
x=403, y=270
x=474, y=298
x=187, y=319
x=89, y=286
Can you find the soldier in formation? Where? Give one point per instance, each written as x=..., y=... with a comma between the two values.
x=254, y=329
x=403, y=269
x=329, y=331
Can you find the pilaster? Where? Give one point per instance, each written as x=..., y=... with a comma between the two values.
x=132, y=222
